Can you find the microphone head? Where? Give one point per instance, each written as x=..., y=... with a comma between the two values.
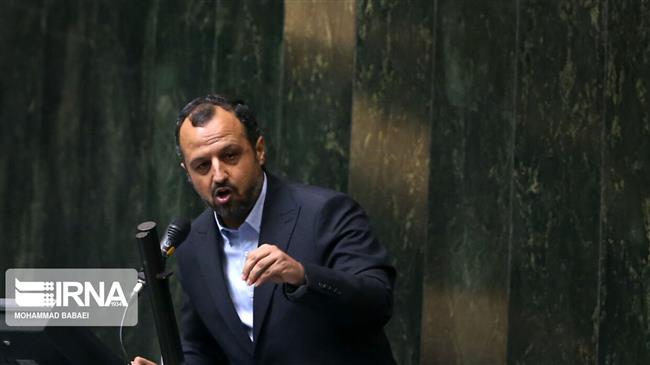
x=175, y=234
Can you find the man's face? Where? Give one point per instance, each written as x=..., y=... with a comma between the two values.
x=225, y=170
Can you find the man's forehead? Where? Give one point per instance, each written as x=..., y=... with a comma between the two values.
x=222, y=122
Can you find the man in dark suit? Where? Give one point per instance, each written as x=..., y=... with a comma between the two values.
x=273, y=272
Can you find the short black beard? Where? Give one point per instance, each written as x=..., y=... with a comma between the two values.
x=238, y=211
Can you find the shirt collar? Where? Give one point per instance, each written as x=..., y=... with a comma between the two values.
x=254, y=219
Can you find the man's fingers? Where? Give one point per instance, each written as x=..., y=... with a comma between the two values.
x=270, y=274
x=269, y=263
x=261, y=267
x=276, y=272
x=252, y=259
x=142, y=361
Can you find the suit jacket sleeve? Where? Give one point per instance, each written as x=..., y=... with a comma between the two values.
x=354, y=280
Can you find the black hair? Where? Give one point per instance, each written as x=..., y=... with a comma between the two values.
x=201, y=110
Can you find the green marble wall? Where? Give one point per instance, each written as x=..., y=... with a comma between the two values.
x=557, y=183
x=389, y=165
x=312, y=140
x=501, y=149
x=466, y=277
x=625, y=211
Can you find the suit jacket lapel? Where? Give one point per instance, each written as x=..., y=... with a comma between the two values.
x=210, y=258
x=278, y=221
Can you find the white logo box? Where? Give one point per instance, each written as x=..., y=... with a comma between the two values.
x=71, y=297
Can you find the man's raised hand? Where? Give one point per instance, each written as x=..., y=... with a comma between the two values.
x=269, y=263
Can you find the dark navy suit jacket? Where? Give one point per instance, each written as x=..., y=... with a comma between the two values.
x=336, y=318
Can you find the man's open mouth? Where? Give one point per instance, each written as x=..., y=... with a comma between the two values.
x=222, y=195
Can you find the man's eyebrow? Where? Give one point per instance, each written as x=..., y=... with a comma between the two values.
x=198, y=159
x=231, y=147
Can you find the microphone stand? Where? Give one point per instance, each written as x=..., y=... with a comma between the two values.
x=160, y=296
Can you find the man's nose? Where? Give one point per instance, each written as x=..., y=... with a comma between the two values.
x=219, y=172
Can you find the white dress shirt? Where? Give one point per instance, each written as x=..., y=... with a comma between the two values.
x=237, y=243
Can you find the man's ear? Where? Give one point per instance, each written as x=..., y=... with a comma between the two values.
x=260, y=151
x=187, y=174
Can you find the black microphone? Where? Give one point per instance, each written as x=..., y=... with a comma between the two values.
x=158, y=286
x=174, y=235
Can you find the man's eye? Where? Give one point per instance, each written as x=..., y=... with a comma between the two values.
x=202, y=166
x=230, y=156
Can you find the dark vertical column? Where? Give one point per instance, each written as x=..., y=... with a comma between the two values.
x=311, y=142
x=72, y=106
x=389, y=148
x=625, y=331
x=555, y=259
x=95, y=133
x=97, y=127
x=23, y=35
x=465, y=303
